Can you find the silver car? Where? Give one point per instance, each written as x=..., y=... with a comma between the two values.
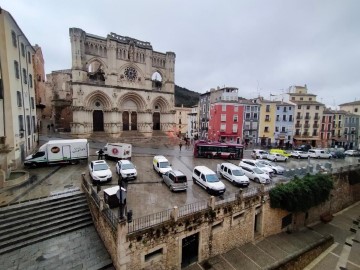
x=175, y=180
x=276, y=168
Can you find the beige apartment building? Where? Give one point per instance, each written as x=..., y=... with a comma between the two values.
x=181, y=120
x=351, y=107
x=18, y=121
x=308, y=116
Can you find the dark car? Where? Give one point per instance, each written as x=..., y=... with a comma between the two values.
x=337, y=154
x=303, y=147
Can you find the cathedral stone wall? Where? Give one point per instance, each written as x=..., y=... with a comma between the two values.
x=120, y=84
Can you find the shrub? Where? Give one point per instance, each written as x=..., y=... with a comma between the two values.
x=300, y=195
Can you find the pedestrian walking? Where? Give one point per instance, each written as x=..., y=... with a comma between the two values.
x=100, y=154
x=180, y=145
x=48, y=127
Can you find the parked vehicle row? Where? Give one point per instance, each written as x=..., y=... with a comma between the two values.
x=274, y=155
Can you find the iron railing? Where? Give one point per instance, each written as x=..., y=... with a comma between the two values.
x=192, y=208
x=230, y=198
x=149, y=221
x=111, y=217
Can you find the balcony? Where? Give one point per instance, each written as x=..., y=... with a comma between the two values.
x=315, y=125
x=307, y=126
x=298, y=117
x=352, y=132
x=297, y=134
x=298, y=125
x=316, y=117
x=283, y=131
x=305, y=133
x=315, y=134
x=267, y=119
x=307, y=117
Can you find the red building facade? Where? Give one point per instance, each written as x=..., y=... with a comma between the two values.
x=226, y=122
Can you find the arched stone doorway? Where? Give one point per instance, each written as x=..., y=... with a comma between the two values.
x=125, y=120
x=133, y=121
x=156, y=121
x=98, y=120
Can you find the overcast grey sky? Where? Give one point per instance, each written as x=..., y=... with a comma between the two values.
x=258, y=46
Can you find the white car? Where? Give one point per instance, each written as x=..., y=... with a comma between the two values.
x=276, y=168
x=299, y=154
x=256, y=163
x=258, y=153
x=277, y=157
x=126, y=169
x=234, y=174
x=319, y=153
x=353, y=153
x=256, y=174
x=99, y=171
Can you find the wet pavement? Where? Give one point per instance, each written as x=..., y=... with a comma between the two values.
x=148, y=190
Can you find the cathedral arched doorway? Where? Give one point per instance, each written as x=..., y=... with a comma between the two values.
x=98, y=120
x=133, y=121
x=156, y=121
x=125, y=120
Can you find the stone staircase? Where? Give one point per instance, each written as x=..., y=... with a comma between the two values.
x=27, y=223
x=137, y=138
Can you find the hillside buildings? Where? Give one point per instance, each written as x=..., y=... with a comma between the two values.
x=18, y=121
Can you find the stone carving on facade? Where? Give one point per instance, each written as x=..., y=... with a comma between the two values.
x=126, y=82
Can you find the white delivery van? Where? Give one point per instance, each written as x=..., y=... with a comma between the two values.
x=59, y=151
x=118, y=151
x=161, y=165
x=208, y=179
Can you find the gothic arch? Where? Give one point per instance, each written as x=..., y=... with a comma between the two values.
x=161, y=103
x=96, y=59
x=100, y=96
x=133, y=97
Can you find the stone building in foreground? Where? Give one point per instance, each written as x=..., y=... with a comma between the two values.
x=120, y=84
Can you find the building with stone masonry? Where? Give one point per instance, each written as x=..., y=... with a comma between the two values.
x=120, y=84
x=42, y=97
x=351, y=131
x=18, y=120
x=58, y=87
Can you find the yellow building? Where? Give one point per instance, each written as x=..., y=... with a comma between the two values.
x=267, y=121
x=181, y=120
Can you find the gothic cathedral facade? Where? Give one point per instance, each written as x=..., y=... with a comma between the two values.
x=120, y=84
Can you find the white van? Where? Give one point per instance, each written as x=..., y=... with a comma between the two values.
x=118, y=151
x=161, y=165
x=59, y=151
x=234, y=174
x=319, y=153
x=208, y=179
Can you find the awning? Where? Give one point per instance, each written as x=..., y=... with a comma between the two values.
x=306, y=139
x=340, y=140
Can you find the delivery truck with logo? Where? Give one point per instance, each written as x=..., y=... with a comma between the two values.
x=59, y=151
x=117, y=151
